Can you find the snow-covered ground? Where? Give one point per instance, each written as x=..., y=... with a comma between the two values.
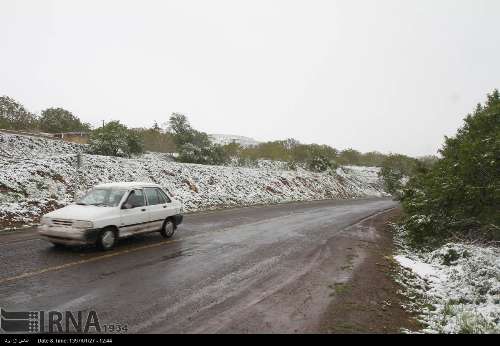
x=454, y=289
x=38, y=174
x=13, y=146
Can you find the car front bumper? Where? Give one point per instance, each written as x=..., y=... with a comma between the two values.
x=68, y=235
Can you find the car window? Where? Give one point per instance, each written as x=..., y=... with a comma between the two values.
x=162, y=196
x=102, y=197
x=152, y=196
x=161, y=199
x=136, y=198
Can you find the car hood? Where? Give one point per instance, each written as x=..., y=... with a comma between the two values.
x=80, y=212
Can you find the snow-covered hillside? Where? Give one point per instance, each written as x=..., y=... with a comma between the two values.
x=14, y=146
x=37, y=175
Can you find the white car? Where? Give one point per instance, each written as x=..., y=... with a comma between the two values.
x=112, y=211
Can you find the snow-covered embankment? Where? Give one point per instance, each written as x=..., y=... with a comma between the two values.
x=38, y=174
x=454, y=289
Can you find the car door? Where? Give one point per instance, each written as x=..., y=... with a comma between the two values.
x=169, y=208
x=172, y=207
x=136, y=218
x=157, y=207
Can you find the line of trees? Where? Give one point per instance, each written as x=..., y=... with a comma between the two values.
x=14, y=116
x=194, y=146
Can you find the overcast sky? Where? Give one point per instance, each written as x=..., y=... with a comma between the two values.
x=392, y=76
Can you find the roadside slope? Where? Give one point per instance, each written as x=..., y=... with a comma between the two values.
x=38, y=174
x=369, y=302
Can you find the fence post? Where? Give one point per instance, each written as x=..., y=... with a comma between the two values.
x=77, y=175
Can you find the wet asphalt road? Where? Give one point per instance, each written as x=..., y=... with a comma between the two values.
x=261, y=269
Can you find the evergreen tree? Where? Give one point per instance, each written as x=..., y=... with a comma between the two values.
x=459, y=195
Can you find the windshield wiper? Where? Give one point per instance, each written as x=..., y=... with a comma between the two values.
x=81, y=203
x=99, y=204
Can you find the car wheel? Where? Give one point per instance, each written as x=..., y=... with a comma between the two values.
x=106, y=239
x=168, y=229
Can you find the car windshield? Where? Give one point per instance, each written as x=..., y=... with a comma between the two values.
x=102, y=197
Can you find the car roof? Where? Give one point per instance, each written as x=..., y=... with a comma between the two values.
x=127, y=185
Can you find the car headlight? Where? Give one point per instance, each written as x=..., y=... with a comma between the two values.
x=83, y=224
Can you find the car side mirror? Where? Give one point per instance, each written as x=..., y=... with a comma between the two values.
x=127, y=206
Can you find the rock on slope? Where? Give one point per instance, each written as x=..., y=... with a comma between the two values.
x=38, y=174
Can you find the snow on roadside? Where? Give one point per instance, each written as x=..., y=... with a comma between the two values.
x=455, y=289
x=13, y=146
x=38, y=174
x=424, y=270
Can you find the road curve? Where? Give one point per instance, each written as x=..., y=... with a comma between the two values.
x=258, y=269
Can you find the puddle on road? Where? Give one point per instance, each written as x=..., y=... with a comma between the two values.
x=180, y=253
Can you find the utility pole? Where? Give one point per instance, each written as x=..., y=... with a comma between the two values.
x=103, y=123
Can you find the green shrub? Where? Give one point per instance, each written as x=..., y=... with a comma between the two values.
x=209, y=155
x=195, y=146
x=459, y=195
x=115, y=139
x=395, y=168
x=320, y=163
x=156, y=139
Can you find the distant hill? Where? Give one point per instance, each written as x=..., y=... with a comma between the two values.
x=227, y=139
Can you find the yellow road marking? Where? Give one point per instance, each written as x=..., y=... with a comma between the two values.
x=113, y=254
x=93, y=259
